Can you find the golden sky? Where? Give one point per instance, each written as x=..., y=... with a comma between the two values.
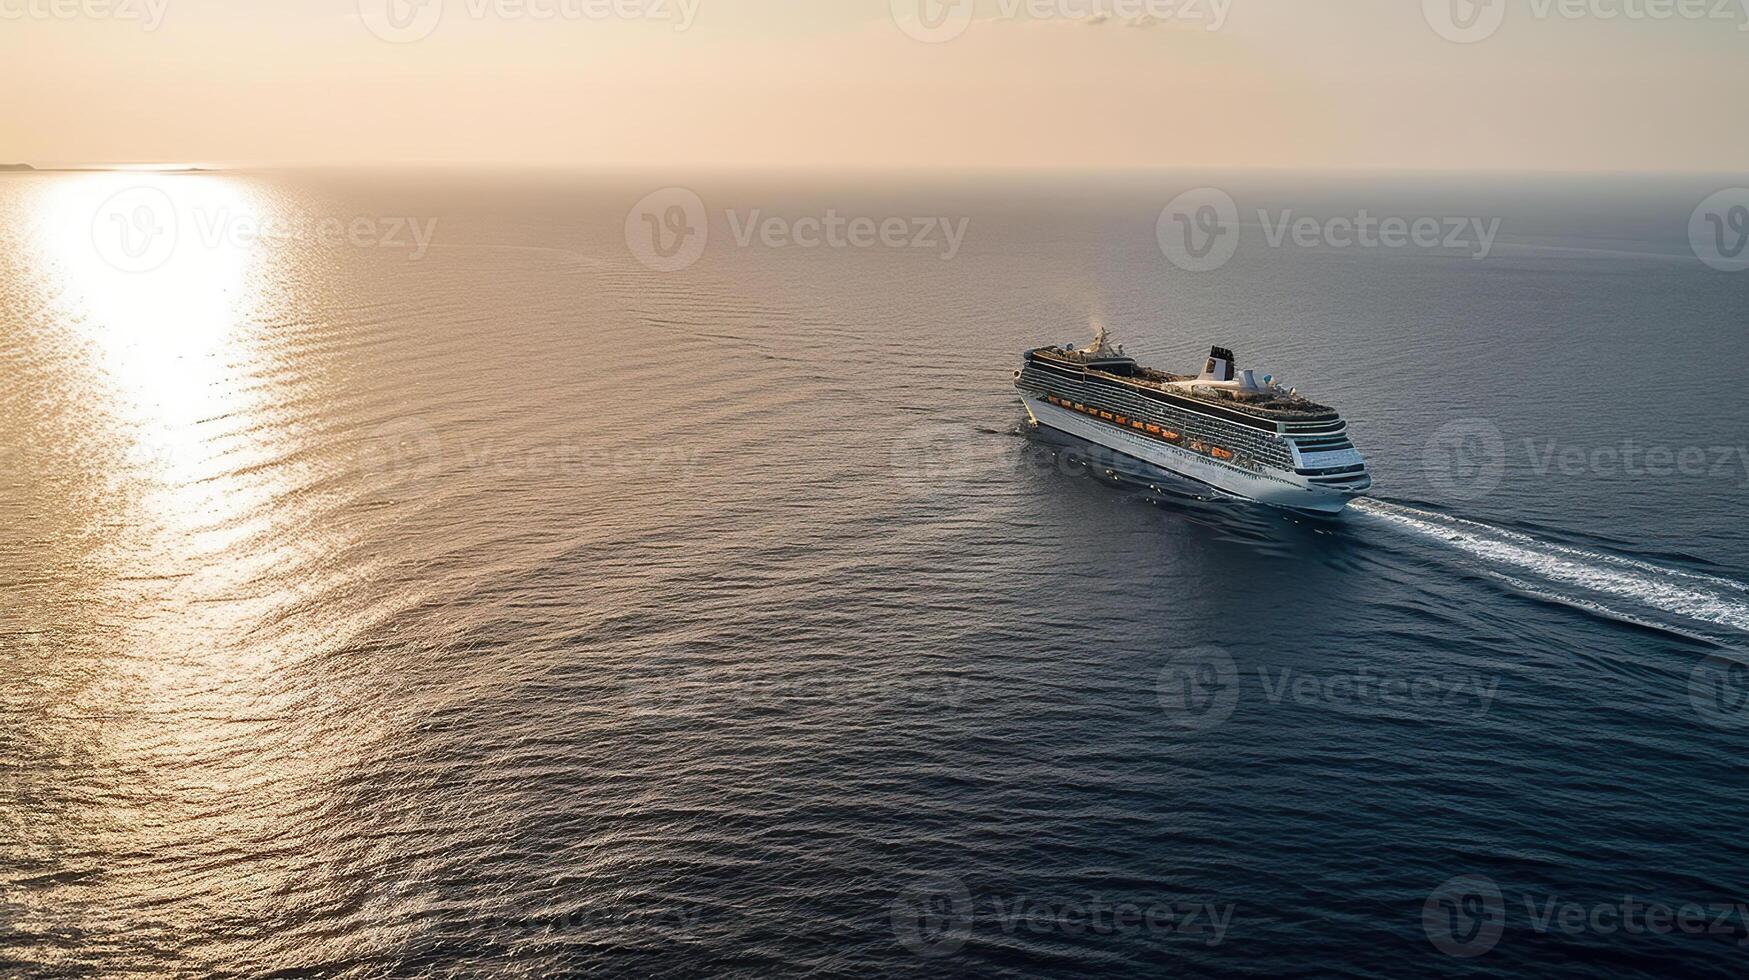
x=870, y=84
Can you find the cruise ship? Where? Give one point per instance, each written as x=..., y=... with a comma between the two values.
x=1223, y=428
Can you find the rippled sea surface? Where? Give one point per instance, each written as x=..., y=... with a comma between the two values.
x=502, y=605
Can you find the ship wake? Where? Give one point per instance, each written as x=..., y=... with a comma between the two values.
x=1609, y=585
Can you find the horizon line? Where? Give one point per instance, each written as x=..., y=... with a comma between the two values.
x=631, y=169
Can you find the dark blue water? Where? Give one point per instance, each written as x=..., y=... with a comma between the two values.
x=516, y=609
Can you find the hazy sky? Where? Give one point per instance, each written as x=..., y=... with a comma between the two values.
x=709, y=84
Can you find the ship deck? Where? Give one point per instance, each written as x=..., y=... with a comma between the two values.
x=1271, y=405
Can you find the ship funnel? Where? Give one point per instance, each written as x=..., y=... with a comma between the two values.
x=1219, y=366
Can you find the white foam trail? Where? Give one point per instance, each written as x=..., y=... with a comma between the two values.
x=1579, y=553
x=1599, y=609
x=1702, y=598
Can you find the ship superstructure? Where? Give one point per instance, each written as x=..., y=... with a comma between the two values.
x=1226, y=428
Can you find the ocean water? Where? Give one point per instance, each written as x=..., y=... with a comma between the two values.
x=462, y=574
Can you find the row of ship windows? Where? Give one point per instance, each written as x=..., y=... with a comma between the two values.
x=1256, y=444
x=1333, y=470
x=1261, y=444
x=1158, y=432
x=1076, y=377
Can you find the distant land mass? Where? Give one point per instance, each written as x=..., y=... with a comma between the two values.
x=104, y=168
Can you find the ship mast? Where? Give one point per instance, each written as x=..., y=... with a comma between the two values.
x=1101, y=346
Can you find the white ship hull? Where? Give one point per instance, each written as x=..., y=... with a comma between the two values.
x=1278, y=489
